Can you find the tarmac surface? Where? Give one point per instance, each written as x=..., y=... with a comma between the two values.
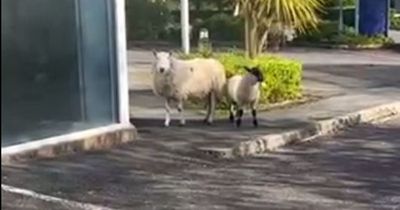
x=356, y=169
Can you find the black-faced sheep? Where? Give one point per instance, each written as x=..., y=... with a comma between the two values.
x=244, y=91
x=177, y=80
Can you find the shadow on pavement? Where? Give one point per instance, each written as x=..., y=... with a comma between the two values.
x=348, y=172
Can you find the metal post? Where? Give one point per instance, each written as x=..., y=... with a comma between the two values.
x=388, y=19
x=357, y=17
x=340, y=16
x=185, y=26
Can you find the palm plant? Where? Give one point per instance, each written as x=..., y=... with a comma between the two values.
x=262, y=15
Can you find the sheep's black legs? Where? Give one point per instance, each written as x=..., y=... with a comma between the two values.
x=239, y=115
x=180, y=110
x=254, y=114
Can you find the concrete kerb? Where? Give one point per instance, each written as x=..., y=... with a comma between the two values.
x=271, y=142
x=94, y=139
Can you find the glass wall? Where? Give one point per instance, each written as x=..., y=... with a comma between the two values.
x=58, y=71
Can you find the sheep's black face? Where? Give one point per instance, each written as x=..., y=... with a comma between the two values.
x=256, y=72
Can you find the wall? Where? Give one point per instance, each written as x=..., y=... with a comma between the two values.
x=373, y=17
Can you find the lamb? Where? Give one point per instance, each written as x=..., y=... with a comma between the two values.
x=177, y=80
x=244, y=91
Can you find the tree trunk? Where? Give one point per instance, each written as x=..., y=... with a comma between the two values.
x=253, y=41
x=247, y=34
x=263, y=41
x=254, y=38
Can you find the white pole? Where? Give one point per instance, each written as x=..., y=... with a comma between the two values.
x=122, y=63
x=185, y=26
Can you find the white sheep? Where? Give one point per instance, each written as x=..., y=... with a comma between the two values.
x=177, y=80
x=244, y=91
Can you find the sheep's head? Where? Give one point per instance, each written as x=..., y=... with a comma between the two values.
x=256, y=72
x=163, y=61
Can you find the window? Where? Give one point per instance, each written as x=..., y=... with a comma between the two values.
x=58, y=71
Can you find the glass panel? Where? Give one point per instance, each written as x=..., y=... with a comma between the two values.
x=57, y=68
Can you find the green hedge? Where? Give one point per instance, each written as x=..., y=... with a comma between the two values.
x=283, y=76
x=353, y=39
x=327, y=33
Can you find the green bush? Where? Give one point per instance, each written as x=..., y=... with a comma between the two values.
x=221, y=27
x=333, y=3
x=350, y=37
x=146, y=20
x=283, y=76
x=394, y=20
x=324, y=32
x=327, y=34
x=332, y=14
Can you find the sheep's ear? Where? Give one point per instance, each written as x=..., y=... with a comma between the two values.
x=170, y=53
x=155, y=53
x=247, y=69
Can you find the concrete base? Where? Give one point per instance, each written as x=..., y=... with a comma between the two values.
x=271, y=142
x=94, y=139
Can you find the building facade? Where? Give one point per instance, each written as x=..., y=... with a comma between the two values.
x=63, y=71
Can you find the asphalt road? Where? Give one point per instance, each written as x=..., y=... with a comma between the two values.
x=357, y=169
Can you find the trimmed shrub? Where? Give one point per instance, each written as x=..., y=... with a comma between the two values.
x=283, y=76
x=350, y=37
x=327, y=34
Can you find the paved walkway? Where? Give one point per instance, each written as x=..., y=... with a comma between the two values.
x=395, y=35
x=358, y=169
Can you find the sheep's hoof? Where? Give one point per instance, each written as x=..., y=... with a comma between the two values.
x=255, y=123
x=231, y=119
x=181, y=124
x=238, y=123
x=207, y=122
